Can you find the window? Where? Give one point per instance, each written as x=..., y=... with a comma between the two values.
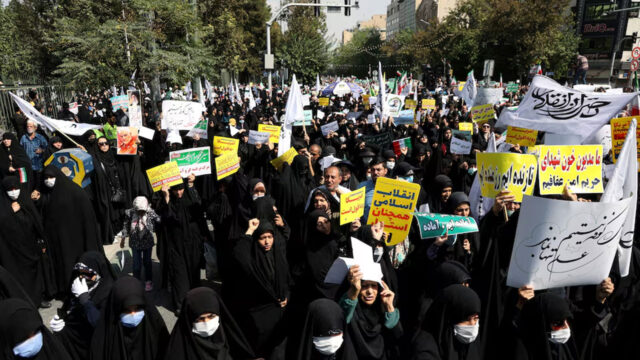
x=597, y=12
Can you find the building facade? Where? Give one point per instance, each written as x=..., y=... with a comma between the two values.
x=401, y=15
x=430, y=10
x=378, y=22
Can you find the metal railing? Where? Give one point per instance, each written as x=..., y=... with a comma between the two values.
x=49, y=101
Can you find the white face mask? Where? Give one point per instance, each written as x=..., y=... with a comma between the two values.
x=13, y=194
x=327, y=345
x=377, y=254
x=206, y=328
x=391, y=165
x=256, y=197
x=343, y=139
x=50, y=182
x=466, y=334
x=560, y=336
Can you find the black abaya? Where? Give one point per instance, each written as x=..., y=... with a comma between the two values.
x=324, y=318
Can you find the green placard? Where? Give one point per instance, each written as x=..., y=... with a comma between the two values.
x=432, y=225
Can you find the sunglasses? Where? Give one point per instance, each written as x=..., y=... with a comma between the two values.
x=103, y=143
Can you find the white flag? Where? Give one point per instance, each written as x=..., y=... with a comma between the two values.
x=624, y=184
x=318, y=84
x=549, y=106
x=238, y=96
x=469, y=91
x=382, y=103
x=188, y=91
x=293, y=111
x=146, y=88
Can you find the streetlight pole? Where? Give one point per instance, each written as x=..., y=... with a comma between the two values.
x=277, y=14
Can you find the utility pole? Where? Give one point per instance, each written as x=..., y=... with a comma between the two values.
x=268, y=57
x=196, y=85
x=126, y=36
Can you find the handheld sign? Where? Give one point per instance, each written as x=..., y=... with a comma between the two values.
x=224, y=144
x=180, y=115
x=227, y=164
x=257, y=137
x=351, y=206
x=287, y=157
x=330, y=127
x=167, y=173
x=273, y=130
x=460, y=147
x=393, y=204
x=482, y=113
x=579, y=166
x=504, y=171
x=432, y=225
x=520, y=136
x=192, y=161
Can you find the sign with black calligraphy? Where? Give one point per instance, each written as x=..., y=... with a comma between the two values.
x=393, y=204
x=579, y=166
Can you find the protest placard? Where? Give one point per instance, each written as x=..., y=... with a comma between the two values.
x=227, y=164
x=330, y=127
x=371, y=119
x=394, y=104
x=167, y=173
x=383, y=139
x=352, y=205
x=127, y=140
x=410, y=104
x=361, y=257
x=353, y=115
x=257, y=137
x=323, y=101
x=73, y=108
x=273, y=130
x=196, y=161
x=506, y=171
x=400, y=144
x=119, y=102
x=512, y=88
x=222, y=145
x=520, y=136
x=619, y=128
x=462, y=135
x=145, y=132
x=432, y=225
x=135, y=110
x=180, y=115
x=460, y=147
x=565, y=243
x=287, y=157
x=405, y=117
x=429, y=104
x=488, y=96
x=200, y=129
x=482, y=113
x=466, y=126
x=365, y=101
x=393, y=204
x=579, y=166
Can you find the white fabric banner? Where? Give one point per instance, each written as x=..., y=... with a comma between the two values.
x=180, y=115
x=293, y=111
x=565, y=243
x=549, y=106
x=624, y=184
x=469, y=91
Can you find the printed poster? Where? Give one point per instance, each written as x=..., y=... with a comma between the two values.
x=482, y=113
x=167, y=173
x=579, y=166
x=180, y=115
x=127, y=140
x=223, y=145
x=352, y=206
x=118, y=102
x=273, y=130
x=287, y=157
x=227, y=164
x=195, y=161
x=135, y=109
x=393, y=204
x=521, y=136
x=506, y=171
x=429, y=104
x=433, y=225
x=619, y=128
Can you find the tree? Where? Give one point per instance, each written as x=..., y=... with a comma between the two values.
x=304, y=49
x=354, y=57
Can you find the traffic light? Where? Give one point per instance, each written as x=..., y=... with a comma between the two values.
x=347, y=10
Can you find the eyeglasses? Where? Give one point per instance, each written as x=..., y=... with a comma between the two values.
x=103, y=143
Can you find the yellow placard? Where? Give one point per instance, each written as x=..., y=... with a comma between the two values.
x=482, y=113
x=465, y=126
x=223, y=145
x=579, y=166
x=619, y=128
x=410, y=104
x=429, y=104
x=520, y=136
x=323, y=101
x=365, y=101
x=273, y=130
x=168, y=173
x=461, y=85
x=505, y=171
x=227, y=164
x=287, y=157
x=352, y=205
x=393, y=204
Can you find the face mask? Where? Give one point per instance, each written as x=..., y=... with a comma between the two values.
x=343, y=139
x=327, y=345
x=13, y=194
x=510, y=212
x=466, y=334
x=30, y=347
x=255, y=197
x=206, y=328
x=560, y=336
x=391, y=165
x=368, y=176
x=366, y=160
x=377, y=254
x=407, y=178
x=50, y=182
x=472, y=171
x=132, y=320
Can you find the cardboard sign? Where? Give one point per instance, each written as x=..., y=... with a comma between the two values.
x=506, y=171
x=619, y=128
x=482, y=113
x=579, y=166
x=433, y=225
x=466, y=126
x=405, y=117
x=135, y=110
x=308, y=115
x=522, y=137
x=127, y=140
x=323, y=101
x=410, y=104
x=383, y=140
x=330, y=127
x=119, y=102
x=273, y=130
x=147, y=133
x=258, y=137
x=227, y=164
x=167, y=173
x=223, y=145
x=352, y=205
x=75, y=164
x=512, y=88
x=180, y=115
x=460, y=147
x=287, y=157
x=393, y=204
x=429, y=104
x=195, y=161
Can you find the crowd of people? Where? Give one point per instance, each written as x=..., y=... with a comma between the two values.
x=267, y=238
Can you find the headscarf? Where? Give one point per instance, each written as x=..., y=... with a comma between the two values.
x=440, y=182
x=456, y=199
x=321, y=251
x=324, y=318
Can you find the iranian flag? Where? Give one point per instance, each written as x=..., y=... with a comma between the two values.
x=22, y=175
x=401, y=144
x=402, y=82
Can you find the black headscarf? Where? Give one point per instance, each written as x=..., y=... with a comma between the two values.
x=321, y=251
x=457, y=198
x=11, y=288
x=112, y=341
x=19, y=320
x=228, y=342
x=14, y=156
x=324, y=318
x=440, y=182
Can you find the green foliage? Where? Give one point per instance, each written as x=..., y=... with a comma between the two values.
x=351, y=56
